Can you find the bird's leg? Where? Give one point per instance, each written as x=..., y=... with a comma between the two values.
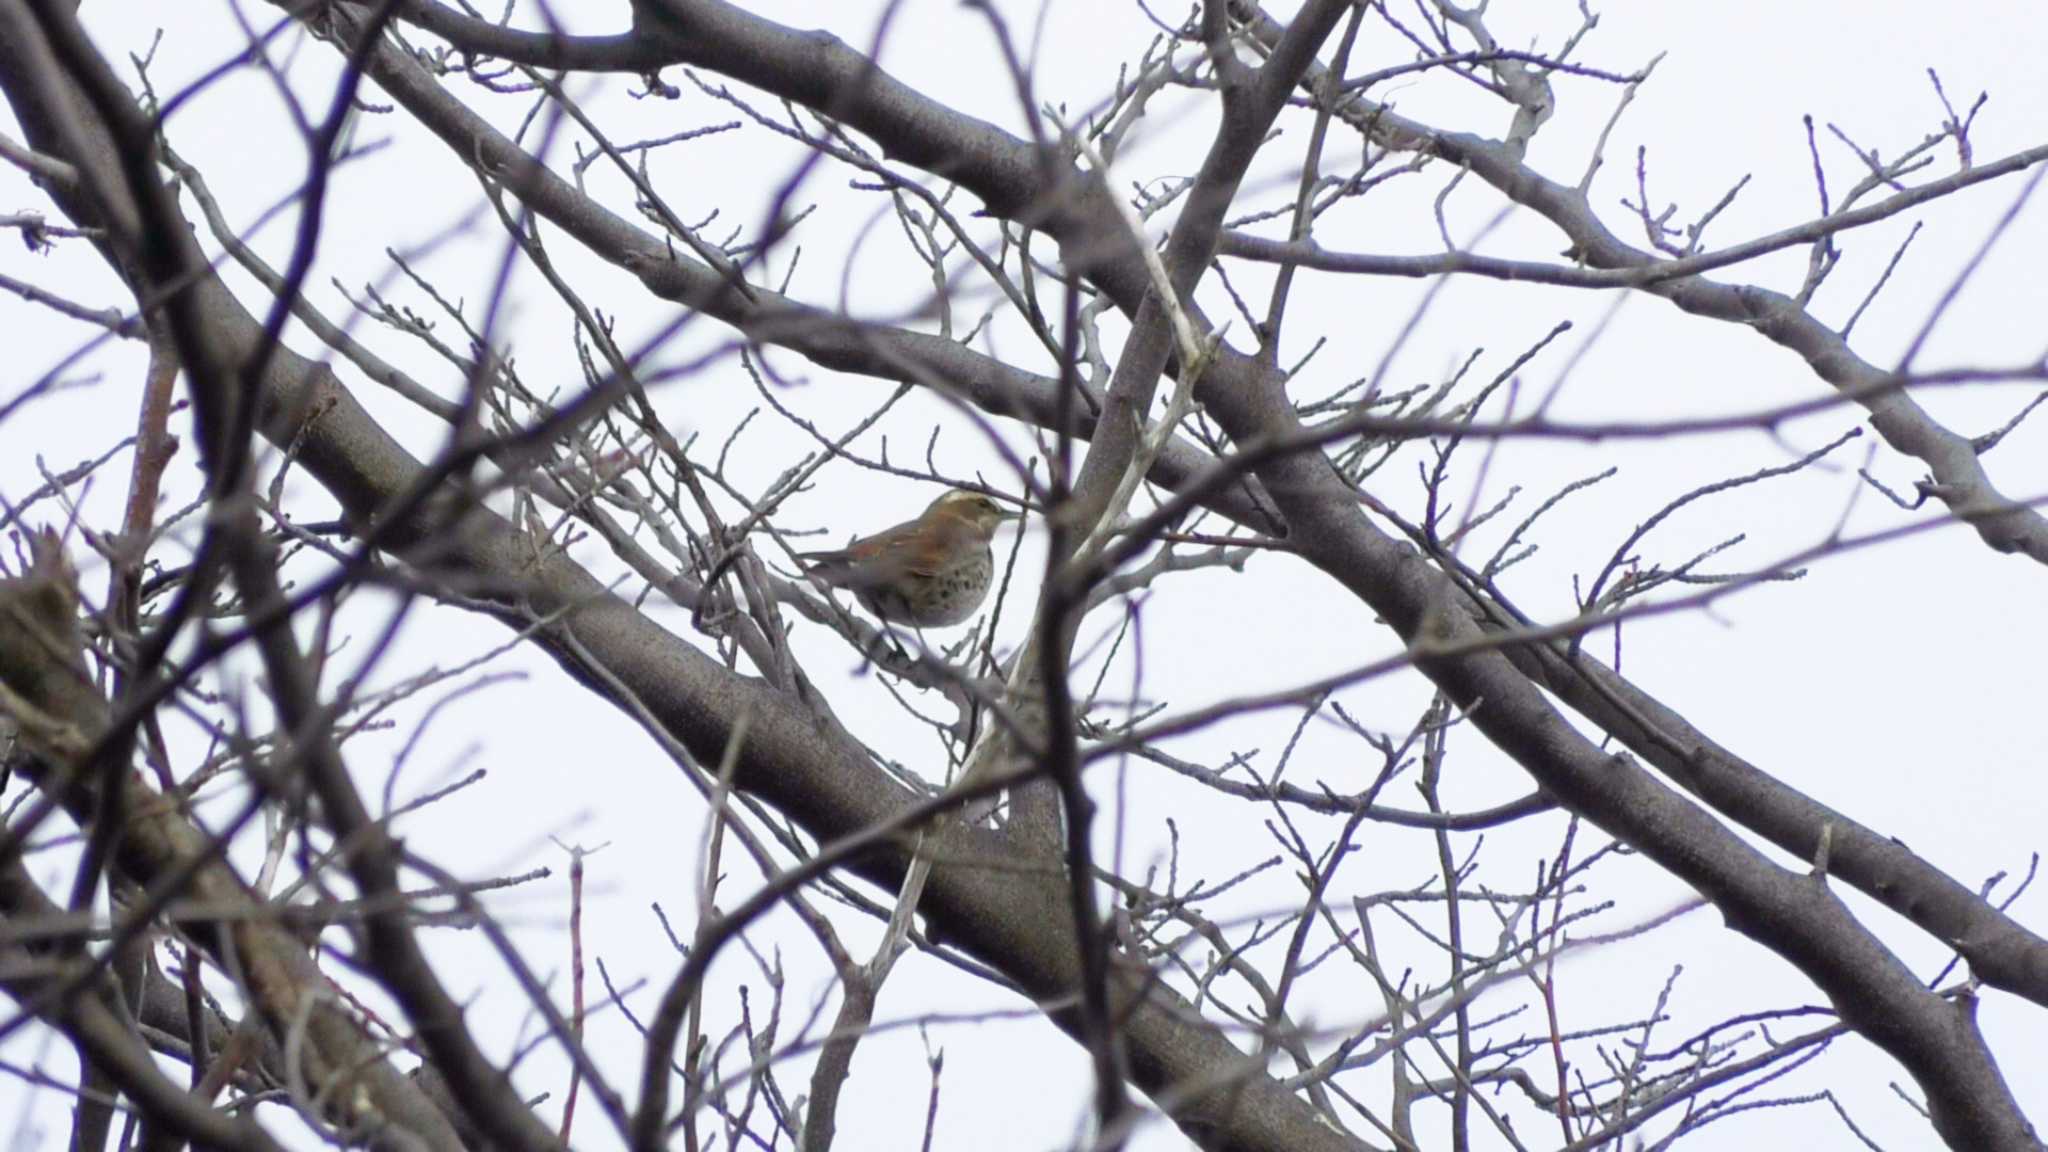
x=885, y=635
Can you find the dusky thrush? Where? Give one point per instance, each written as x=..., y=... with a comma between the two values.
x=931, y=572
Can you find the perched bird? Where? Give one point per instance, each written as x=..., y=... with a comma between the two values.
x=931, y=572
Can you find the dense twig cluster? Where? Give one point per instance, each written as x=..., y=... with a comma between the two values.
x=187, y=722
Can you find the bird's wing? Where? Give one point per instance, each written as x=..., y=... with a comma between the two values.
x=877, y=559
x=927, y=561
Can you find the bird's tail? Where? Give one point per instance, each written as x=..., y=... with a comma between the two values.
x=834, y=566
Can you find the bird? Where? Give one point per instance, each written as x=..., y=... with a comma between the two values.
x=931, y=572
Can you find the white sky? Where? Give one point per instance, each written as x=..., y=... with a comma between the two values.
x=1897, y=684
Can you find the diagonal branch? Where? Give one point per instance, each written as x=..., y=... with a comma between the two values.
x=1002, y=170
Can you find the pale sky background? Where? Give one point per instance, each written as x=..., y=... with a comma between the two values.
x=1899, y=684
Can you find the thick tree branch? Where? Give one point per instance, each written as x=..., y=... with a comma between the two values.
x=1959, y=479
x=1013, y=918
x=1973, y=1102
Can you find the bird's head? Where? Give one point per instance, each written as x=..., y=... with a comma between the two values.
x=972, y=509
